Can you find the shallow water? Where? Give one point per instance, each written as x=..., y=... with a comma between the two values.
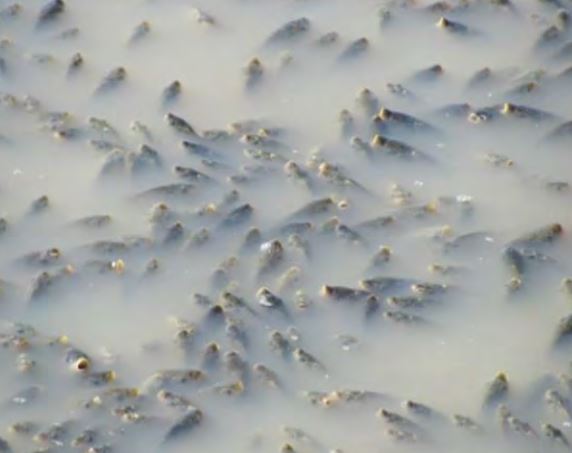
x=128, y=320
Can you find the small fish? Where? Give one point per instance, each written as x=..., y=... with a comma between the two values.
x=184, y=425
x=112, y=80
x=139, y=32
x=171, y=92
x=293, y=29
x=180, y=125
x=50, y=12
x=354, y=49
x=237, y=216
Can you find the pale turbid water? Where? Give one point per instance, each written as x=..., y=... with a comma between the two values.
x=130, y=304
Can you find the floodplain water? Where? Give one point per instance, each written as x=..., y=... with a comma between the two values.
x=501, y=178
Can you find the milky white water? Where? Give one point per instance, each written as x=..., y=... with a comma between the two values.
x=123, y=317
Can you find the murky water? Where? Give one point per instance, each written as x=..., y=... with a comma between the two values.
x=467, y=211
